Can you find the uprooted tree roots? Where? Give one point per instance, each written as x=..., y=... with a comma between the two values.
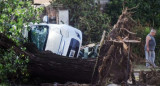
x=115, y=60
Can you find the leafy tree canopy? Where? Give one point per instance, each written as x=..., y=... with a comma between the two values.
x=147, y=11
x=14, y=15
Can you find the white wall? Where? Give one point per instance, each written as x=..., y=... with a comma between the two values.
x=63, y=17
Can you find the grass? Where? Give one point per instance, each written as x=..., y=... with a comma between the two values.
x=143, y=68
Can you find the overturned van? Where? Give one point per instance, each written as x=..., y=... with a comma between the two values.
x=59, y=38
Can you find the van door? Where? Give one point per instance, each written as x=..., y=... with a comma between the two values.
x=73, y=48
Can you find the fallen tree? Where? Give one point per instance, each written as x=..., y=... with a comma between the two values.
x=60, y=68
x=52, y=67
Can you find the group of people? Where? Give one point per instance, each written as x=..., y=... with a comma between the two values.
x=150, y=49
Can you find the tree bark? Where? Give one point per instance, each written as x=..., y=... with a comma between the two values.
x=61, y=69
x=49, y=66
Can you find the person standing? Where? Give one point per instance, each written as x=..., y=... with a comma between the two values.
x=150, y=48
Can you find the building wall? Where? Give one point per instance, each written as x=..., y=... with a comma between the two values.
x=63, y=16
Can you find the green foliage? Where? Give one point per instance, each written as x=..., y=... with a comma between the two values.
x=147, y=11
x=114, y=9
x=14, y=15
x=13, y=68
x=86, y=16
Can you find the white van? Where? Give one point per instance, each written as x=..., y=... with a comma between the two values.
x=59, y=38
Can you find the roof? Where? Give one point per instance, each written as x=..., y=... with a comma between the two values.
x=45, y=2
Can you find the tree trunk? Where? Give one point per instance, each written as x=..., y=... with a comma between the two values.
x=49, y=66
x=59, y=68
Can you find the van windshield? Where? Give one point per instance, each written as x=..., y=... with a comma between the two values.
x=38, y=36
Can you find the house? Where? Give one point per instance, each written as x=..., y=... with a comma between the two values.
x=56, y=15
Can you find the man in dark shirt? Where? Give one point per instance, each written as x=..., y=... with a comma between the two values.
x=150, y=48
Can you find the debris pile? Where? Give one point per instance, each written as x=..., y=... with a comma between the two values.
x=149, y=77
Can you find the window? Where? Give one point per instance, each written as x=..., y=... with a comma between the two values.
x=39, y=35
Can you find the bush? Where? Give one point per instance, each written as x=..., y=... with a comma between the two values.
x=147, y=12
x=13, y=68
